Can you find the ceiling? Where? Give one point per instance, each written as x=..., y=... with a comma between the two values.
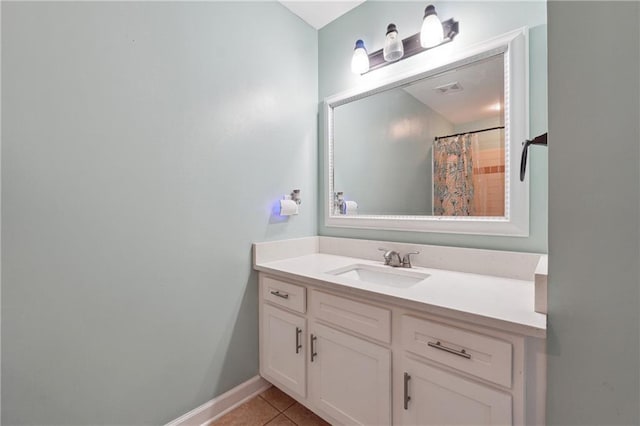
x=482, y=91
x=320, y=13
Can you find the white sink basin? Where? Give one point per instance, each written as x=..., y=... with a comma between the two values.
x=381, y=275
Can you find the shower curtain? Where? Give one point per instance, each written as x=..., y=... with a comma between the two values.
x=453, y=175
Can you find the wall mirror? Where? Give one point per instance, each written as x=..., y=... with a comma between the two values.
x=434, y=150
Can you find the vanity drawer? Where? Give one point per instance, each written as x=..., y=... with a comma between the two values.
x=476, y=354
x=361, y=318
x=284, y=294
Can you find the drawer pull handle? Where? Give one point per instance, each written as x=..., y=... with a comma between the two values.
x=298, y=344
x=313, y=347
x=439, y=345
x=282, y=295
x=407, y=398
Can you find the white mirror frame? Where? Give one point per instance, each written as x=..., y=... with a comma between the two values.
x=514, y=46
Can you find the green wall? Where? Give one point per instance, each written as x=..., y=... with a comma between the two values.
x=372, y=131
x=144, y=146
x=594, y=214
x=479, y=21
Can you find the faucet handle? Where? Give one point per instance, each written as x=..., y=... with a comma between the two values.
x=406, y=260
x=387, y=255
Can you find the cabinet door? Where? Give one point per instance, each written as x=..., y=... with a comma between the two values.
x=283, y=349
x=437, y=397
x=349, y=378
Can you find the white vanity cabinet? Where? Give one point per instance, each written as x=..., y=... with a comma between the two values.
x=282, y=349
x=365, y=360
x=349, y=375
x=445, y=373
x=344, y=378
x=283, y=331
x=432, y=396
x=349, y=378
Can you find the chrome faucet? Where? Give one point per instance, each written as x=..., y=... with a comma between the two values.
x=393, y=258
x=406, y=260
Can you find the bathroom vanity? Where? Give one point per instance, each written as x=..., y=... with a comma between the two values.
x=455, y=339
x=458, y=338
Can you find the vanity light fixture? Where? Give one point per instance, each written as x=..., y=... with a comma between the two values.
x=360, y=59
x=393, y=48
x=434, y=33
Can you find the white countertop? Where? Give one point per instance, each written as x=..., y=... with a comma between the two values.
x=505, y=303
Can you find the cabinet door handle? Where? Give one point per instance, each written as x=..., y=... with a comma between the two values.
x=440, y=346
x=277, y=293
x=407, y=398
x=298, y=344
x=313, y=347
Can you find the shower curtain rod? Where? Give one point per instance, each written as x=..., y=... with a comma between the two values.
x=468, y=133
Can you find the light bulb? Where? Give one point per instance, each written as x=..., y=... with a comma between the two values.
x=393, y=48
x=360, y=59
x=431, y=33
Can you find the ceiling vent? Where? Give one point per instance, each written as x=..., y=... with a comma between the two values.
x=449, y=88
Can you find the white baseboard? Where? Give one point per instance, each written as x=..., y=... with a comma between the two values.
x=219, y=406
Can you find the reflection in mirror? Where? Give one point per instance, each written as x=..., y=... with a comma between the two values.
x=432, y=147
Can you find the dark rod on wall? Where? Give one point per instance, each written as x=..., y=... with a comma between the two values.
x=538, y=140
x=468, y=133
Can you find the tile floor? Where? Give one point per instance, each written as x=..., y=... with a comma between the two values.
x=272, y=407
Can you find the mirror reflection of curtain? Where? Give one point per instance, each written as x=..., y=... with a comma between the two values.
x=453, y=190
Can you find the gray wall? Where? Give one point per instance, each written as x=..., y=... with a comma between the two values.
x=144, y=147
x=479, y=21
x=594, y=195
x=382, y=153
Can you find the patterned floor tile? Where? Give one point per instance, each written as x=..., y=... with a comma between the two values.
x=255, y=412
x=281, y=420
x=277, y=398
x=300, y=415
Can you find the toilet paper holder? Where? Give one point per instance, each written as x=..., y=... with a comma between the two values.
x=339, y=203
x=289, y=203
x=342, y=206
x=295, y=196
